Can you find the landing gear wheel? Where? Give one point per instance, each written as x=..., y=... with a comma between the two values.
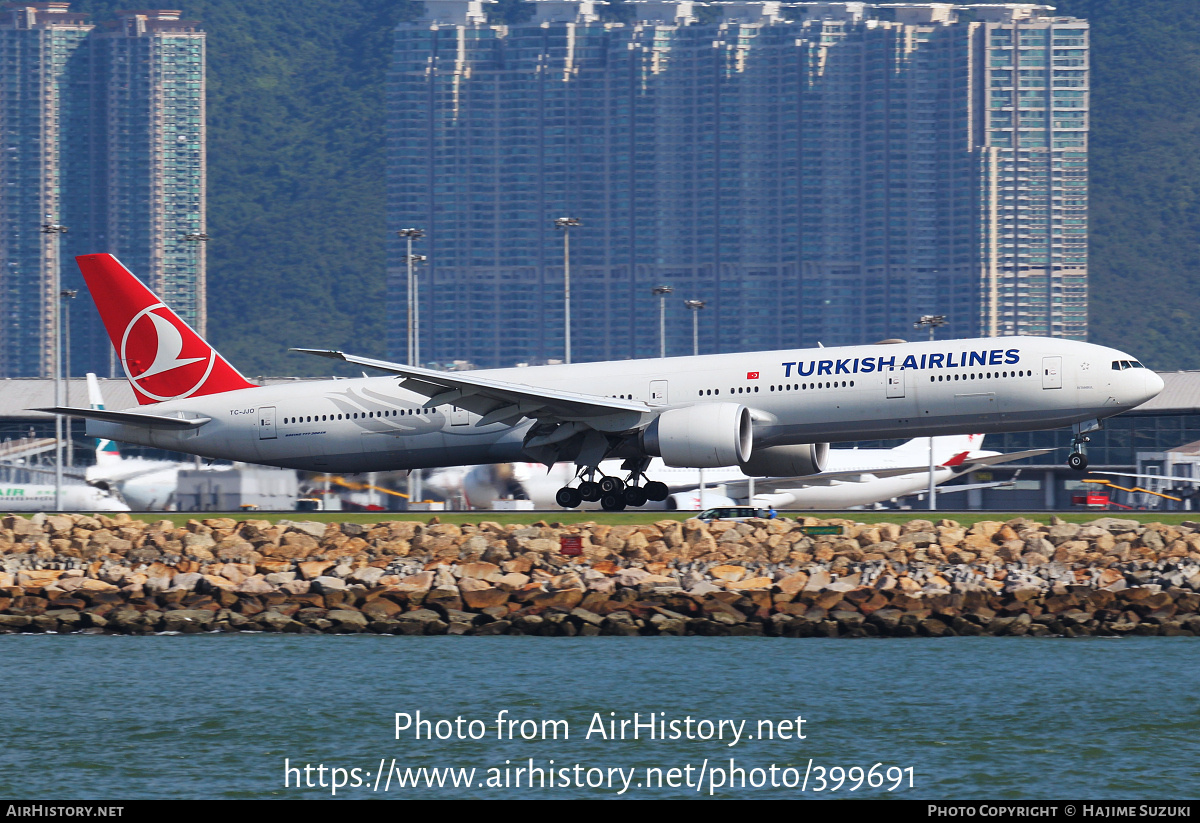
x=589, y=491
x=568, y=498
x=611, y=485
x=655, y=490
x=612, y=503
x=635, y=497
x=1078, y=461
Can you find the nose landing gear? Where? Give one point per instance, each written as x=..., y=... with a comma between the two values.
x=1077, y=460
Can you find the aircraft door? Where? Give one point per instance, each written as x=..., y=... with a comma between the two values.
x=658, y=392
x=459, y=417
x=266, y=423
x=895, y=382
x=1051, y=372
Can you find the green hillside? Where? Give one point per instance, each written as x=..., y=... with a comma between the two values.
x=297, y=149
x=1145, y=183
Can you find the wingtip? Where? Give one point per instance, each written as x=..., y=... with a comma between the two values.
x=337, y=355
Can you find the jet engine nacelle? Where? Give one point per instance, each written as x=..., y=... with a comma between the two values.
x=704, y=436
x=787, y=461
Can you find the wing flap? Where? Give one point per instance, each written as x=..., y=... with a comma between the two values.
x=489, y=397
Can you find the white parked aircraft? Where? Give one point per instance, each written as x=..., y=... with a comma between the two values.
x=770, y=413
x=146, y=485
x=853, y=477
x=39, y=497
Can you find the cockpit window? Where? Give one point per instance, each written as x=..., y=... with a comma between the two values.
x=1138, y=365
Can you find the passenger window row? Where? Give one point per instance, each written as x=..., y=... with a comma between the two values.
x=806, y=386
x=319, y=418
x=979, y=375
x=833, y=384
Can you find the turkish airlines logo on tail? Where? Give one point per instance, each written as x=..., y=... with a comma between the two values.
x=159, y=360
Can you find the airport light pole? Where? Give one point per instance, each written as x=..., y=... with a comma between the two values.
x=194, y=239
x=661, y=292
x=67, y=296
x=415, y=489
x=54, y=232
x=410, y=235
x=415, y=492
x=413, y=260
x=694, y=306
x=931, y=321
x=566, y=224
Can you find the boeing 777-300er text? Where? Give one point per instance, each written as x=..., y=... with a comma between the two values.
x=771, y=413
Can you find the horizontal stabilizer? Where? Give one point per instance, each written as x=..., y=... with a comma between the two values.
x=145, y=421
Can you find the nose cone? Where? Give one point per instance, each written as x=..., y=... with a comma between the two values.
x=1154, y=385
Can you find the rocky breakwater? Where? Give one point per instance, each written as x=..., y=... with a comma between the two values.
x=101, y=574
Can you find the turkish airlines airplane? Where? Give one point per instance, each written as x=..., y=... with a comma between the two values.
x=852, y=477
x=771, y=413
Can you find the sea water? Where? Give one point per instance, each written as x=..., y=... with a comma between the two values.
x=289, y=716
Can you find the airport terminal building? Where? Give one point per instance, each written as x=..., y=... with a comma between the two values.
x=820, y=172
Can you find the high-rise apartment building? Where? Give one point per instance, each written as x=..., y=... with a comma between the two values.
x=154, y=158
x=44, y=125
x=817, y=172
x=102, y=131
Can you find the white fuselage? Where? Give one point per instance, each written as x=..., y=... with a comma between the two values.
x=798, y=396
x=39, y=497
x=843, y=494
x=146, y=485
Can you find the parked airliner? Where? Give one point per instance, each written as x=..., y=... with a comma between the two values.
x=771, y=413
x=852, y=477
x=146, y=485
x=39, y=497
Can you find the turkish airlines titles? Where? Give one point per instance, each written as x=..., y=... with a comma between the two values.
x=936, y=360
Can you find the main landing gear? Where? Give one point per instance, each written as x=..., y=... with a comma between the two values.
x=613, y=493
x=1077, y=460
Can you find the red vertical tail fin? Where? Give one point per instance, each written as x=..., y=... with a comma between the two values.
x=163, y=357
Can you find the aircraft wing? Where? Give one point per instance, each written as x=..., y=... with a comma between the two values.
x=122, y=474
x=498, y=401
x=999, y=484
x=1164, y=477
x=972, y=463
x=149, y=421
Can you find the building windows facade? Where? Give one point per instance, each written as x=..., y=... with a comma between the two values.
x=102, y=131
x=819, y=173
